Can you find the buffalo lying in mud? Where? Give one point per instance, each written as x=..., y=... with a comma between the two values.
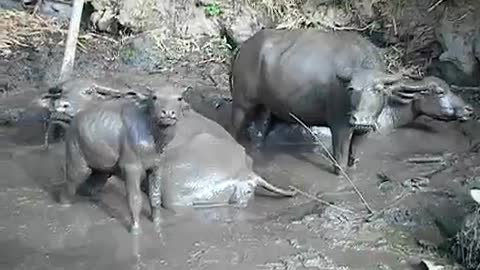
x=332, y=79
x=203, y=165
x=430, y=97
x=124, y=139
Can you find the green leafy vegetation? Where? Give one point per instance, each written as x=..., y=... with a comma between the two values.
x=213, y=10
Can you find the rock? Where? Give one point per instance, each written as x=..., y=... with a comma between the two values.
x=365, y=8
x=328, y=16
x=104, y=20
x=457, y=32
x=242, y=23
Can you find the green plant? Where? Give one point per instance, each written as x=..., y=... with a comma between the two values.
x=213, y=9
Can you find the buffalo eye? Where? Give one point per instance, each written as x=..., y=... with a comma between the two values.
x=180, y=98
x=378, y=87
x=439, y=91
x=154, y=97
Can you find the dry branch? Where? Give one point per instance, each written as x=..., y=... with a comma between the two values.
x=432, y=159
x=370, y=210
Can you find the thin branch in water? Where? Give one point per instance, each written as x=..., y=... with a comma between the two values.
x=398, y=200
x=435, y=5
x=370, y=210
x=315, y=198
x=431, y=159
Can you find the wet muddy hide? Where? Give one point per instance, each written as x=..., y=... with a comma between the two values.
x=204, y=166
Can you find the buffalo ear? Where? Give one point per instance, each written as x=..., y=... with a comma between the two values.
x=345, y=74
x=184, y=107
x=44, y=101
x=475, y=194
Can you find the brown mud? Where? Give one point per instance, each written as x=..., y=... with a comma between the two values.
x=271, y=233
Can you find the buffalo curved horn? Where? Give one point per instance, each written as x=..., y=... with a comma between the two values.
x=386, y=78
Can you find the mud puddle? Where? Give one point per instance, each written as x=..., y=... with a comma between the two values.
x=272, y=233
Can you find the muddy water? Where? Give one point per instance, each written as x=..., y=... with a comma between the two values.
x=272, y=233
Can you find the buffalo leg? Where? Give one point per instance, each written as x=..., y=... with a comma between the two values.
x=93, y=184
x=239, y=121
x=133, y=175
x=341, y=138
x=357, y=139
x=155, y=195
x=265, y=126
x=77, y=171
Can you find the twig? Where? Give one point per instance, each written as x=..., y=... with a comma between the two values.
x=315, y=198
x=38, y=5
x=435, y=159
x=381, y=212
x=437, y=170
x=350, y=28
x=334, y=161
x=435, y=5
x=469, y=88
x=71, y=43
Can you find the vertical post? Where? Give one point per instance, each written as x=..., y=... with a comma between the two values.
x=68, y=58
x=71, y=42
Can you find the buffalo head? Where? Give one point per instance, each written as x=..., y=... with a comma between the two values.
x=165, y=105
x=366, y=91
x=432, y=97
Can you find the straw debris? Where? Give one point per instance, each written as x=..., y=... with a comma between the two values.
x=466, y=244
x=20, y=29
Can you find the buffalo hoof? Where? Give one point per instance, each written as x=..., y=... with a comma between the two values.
x=337, y=170
x=352, y=163
x=135, y=229
x=64, y=199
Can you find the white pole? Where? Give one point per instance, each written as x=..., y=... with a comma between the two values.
x=71, y=42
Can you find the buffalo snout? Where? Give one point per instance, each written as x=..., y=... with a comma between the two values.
x=465, y=113
x=366, y=106
x=362, y=123
x=167, y=108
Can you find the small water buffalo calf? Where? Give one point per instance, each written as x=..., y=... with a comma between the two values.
x=332, y=79
x=120, y=138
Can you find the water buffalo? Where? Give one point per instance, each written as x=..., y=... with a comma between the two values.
x=204, y=165
x=429, y=97
x=332, y=79
x=64, y=100
x=120, y=138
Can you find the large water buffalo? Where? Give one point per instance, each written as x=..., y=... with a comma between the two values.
x=332, y=79
x=124, y=139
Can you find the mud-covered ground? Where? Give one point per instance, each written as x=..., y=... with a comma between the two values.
x=272, y=233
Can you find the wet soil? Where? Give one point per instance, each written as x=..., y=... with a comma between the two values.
x=271, y=233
